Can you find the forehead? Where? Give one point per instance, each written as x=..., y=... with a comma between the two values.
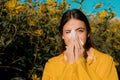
x=73, y=24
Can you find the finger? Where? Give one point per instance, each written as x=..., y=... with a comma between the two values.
x=78, y=44
x=77, y=47
x=70, y=50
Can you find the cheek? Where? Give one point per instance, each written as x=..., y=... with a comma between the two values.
x=66, y=38
x=83, y=37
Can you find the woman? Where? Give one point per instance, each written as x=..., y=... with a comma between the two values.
x=79, y=60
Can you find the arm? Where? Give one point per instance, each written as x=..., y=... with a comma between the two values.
x=46, y=73
x=104, y=67
x=85, y=72
x=50, y=72
x=110, y=70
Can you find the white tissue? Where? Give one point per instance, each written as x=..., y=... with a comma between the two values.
x=81, y=42
x=73, y=34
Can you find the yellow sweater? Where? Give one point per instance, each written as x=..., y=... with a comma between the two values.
x=99, y=66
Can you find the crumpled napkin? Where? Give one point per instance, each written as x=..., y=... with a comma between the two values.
x=73, y=34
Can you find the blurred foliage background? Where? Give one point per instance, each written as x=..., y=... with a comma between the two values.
x=29, y=36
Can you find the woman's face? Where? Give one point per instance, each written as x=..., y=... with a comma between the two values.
x=79, y=27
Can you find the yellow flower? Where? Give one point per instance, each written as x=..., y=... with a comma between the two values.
x=92, y=29
x=13, y=7
x=52, y=10
x=50, y=2
x=118, y=35
x=108, y=30
x=42, y=9
x=34, y=77
x=19, y=7
x=38, y=32
x=114, y=29
x=54, y=19
x=98, y=5
x=11, y=4
x=31, y=22
x=103, y=14
x=64, y=5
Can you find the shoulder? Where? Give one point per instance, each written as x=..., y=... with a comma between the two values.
x=56, y=58
x=54, y=61
x=53, y=64
x=103, y=56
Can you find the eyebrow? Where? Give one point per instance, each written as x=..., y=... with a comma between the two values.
x=76, y=29
x=79, y=28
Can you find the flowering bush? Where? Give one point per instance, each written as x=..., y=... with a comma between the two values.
x=29, y=36
x=106, y=34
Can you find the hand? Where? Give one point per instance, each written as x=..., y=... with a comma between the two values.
x=79, y=49
x=74, y=50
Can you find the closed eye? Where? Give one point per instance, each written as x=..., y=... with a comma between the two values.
x=67, y=32
x=81, y=30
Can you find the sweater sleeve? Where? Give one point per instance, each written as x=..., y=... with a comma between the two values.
x=50, y=73
x=110, y=72
x=47, y=75
x=84, y=72
x=105, y=69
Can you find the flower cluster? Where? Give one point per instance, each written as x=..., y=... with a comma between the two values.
x=13, y=7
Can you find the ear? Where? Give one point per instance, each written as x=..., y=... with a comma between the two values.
x=62, y=37
x=88, y=35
